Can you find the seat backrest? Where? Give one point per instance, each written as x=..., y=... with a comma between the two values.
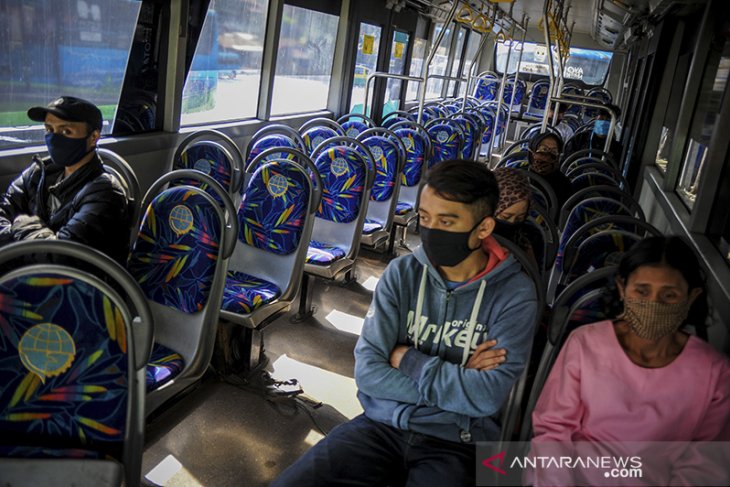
x=516, y=160
x=538, y=97
x=446, y=138
x=594, y=178
x=213, y=153
x=75, y=338
x=275, y=218
x=541, y=189
x=600, y=249
x=124, y=174
x=354, y=123
x=389, y=161
x=604, y=191
x=317, y=130
x=472, y=130
x=581, y=303
x=271, y=136
x=486, y=89
x=519, y=92
x=179, y=259
x=547, y=247
x=346, y=181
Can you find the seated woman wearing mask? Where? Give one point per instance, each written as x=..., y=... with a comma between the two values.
x=544, y=156
x=640, y=377
x=514, y=204
x=596, y=139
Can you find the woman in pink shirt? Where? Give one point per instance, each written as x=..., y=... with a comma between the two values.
x=641, y=378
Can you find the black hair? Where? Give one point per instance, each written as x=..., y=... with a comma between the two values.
x=537, y=138
x=468, y=182
x=673, y=252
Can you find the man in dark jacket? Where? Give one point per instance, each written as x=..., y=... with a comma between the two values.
x=67, y=196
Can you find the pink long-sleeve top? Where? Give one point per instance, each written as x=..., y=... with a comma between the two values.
x=595, y=393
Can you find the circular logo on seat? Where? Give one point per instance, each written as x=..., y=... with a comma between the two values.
x=339, y=166
x=442, y=136
x=408, y=142
x=316, y=141
x=277, y=185
x=181, y=220
x=352, y=132
x=202, y=165
x=47, y=350
x=377, y=152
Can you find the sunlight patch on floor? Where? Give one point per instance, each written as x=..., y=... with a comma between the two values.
x=345, y=322
x=370, y=283
x=171, y=472
x=333, y=389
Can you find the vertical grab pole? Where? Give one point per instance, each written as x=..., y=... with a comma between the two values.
x=517, y=74
x=499, y=98
x=551, y=75
x=427, y=64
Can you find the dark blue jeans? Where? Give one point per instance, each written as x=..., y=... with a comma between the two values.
x=363, y=452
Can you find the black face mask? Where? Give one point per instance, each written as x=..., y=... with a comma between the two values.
x=447, y=249
x=506, y=229
x=66, y=151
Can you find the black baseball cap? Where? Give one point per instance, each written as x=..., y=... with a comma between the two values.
x=69, y=108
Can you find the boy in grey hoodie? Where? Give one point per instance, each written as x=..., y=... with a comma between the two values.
x=430, y=379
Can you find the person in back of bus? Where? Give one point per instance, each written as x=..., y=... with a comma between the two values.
x=563, y=128
x=431, y=380
x=544, y=156
x=641, y=377
x=67, y=196
x=514, y=203
x=596, y=139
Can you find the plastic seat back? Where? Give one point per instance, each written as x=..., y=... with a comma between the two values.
x=347, y=179
x=446, y=138
x=603, y=191
x=123, y=172
x=275, y=218
x=272, y=136
x=355, y=123
x=486, y=89
x=418, y=152
x=472, y=130
x=581, y=303
x=75, y=339
x=179, y=260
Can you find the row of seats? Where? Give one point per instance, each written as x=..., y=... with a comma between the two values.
x=488, y=85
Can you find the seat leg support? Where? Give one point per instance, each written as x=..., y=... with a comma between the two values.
x=305, y=305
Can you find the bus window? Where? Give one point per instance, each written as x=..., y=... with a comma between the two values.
x=438, y=64
x=457, y=60
x=304, y=63
x=366, y=62
x=419, y=53
x=43, y=54
x=587, y=65
x=223, y=82
x=398, y=53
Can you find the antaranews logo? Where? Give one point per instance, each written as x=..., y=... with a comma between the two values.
x=499, y=456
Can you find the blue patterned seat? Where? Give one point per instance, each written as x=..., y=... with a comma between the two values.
x=209, y=158
x=600, y=249
x=384, y=194
x=342, y=209
x=538, y=99
x=323, y=253
x=402, y=208
x=486, y=89
x=587, y=180
x=275, y=222
x=316, y=135
x=72, y=360
x=179, y=259
x=446, y=139
x=471, y=132
x=164, y=365
x=245, y=293
x=353, y=128
x=519, y=93
x=270, y=142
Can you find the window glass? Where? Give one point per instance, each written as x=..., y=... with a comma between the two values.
x=366, y=62
x=44, y=55
x=398, y=53
x=471, y=49
x=224, y=78
x=587, y=65
x=438, y=64
x=719, y=230
x=672, y=112
x=306, y=52
x=417, y=57
x=712, y=89
x=457, y=60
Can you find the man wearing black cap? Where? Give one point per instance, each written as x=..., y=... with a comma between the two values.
x=67, y=196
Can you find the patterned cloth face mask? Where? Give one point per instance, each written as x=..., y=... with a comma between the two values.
x=651, y=320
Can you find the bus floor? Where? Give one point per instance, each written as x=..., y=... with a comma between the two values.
x=221, y=434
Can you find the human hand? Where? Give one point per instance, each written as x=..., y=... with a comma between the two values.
x=485, y=357
x=24, y=225
x=397, y=355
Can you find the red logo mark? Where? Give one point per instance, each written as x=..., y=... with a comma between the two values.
x=488, y=463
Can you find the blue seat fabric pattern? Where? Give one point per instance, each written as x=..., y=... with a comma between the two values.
x=316, y=135
x=209, y=159
x=323, y=253
x=272, y=141
x=353, y=128
x=445, y=143
x=385, y=154
x=415, y=156
x=164, y=365
x=343, y=173
x=63, y=368
x=245, y=293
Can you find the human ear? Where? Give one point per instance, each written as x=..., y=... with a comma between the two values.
x=621, y=287
x=486, y=227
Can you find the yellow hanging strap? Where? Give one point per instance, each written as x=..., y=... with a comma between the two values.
x=465, y=15
x=482, y=24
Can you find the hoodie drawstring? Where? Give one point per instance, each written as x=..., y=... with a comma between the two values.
x=473, y=323
x=419, y=307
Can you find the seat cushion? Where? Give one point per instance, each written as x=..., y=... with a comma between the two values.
x=245, y=293
x=165, y=364
x=323, y=253
x=371, y=226
x=402, y=208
